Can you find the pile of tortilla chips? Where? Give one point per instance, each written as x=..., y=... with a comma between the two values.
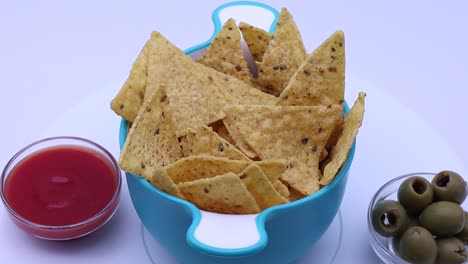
x=236, y=137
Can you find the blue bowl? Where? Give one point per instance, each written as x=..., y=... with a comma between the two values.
x=280, y=234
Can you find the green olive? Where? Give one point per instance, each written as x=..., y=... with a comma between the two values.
x=463, y=235
x=449, y=186
x=443, y=218
x=415, y=193
x=450, y=250
x=417, y=245
x=389, y=218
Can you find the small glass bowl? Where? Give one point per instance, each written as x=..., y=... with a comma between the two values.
x=69, y=231
x=383, y=246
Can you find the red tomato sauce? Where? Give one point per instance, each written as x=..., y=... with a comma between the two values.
x=61, y=185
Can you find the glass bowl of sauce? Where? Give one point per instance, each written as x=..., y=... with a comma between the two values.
x=61, y=188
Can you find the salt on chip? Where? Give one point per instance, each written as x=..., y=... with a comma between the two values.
x=204, y=141
x=296, y=134
x=225, y=53
x=284, y=54
x=159, y=178
x=129, y=99
x=151, y=141
x=224, y=194
x=320, y=80
x=260, y=187
x=204, y=166
x=351, y=126
x=256, y=39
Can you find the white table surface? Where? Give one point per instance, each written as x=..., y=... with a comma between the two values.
x=61, y=62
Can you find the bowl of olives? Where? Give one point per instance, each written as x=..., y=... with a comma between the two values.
x=420, y=218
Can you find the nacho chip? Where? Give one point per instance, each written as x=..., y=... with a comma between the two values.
x=203, y=166
x=204, y=141
x=242, y=92
x=284, y=54
x=151, y=141
x=224, y=194
x=129, y=99
x=320, y=80
x=281, y=188
x=197, y=92
x=225, y=53
x=294, y=195
x=194, y=98
x=159, y=178
x=261, y=188
x=297, y=134
x=238, y=139
x=220, y=129
x=256, y=39
x=351, y=125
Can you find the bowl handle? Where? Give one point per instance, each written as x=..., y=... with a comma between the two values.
x=240, y=234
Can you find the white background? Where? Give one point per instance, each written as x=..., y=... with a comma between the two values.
x=57, y=57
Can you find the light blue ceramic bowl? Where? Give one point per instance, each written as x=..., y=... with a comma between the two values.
x=280, y=234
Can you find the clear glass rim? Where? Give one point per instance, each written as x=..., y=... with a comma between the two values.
x=109, y=205
x=375, y=241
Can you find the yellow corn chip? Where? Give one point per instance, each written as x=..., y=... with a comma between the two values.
x=294, y=195
x=281, y=188
x=194, y=98
x=284, y=54
x=151, y=141
x=225, y=53
x=351, y=125
x=297, y=134
x=242, y=92
x=131, y=96
x=220, y=129
x=256, y=39
x=197, y=93
x=203, y=166
x=224, y=194
x=320, y=80
x=159, y=178
x=238, y=139
x=204, y=141
x=261, y=188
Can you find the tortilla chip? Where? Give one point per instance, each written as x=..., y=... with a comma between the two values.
x=320, y=80
x=237, y=137
x=324, y=154
x=339, y=153
x=261, y=188
x=159, y=178
x=203, y=166
x=284, y=54
x=194, y=98
x=204, y=141
x=224, y=194
x=256, y=39
x=242, y=92
x=225, y=53
x=294, y=195
x=297, y=134
x=151, y=141
x=220, y=129
x=129, y=99
x=197, y=92
x=281, y=188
